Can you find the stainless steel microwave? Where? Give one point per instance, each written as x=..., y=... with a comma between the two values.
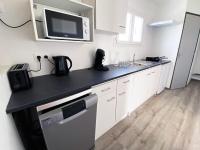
x=65, y=26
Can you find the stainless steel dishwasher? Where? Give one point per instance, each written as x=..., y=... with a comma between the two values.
x=70, y=125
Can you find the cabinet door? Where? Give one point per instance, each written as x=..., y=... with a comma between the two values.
x=106, y=107
x=111, y=15
x=145, y=86
x=123, y=97
x=120, y=16
x=163, y=77
x=105, y=114
x=167, y=73
x=105, y=12
x=140, y=88
x=154, y=80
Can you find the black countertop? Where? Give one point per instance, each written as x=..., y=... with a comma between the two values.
x=49, y=88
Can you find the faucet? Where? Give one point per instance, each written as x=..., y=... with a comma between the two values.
x=133, y=57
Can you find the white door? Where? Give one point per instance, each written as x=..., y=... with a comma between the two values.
x=186, y=52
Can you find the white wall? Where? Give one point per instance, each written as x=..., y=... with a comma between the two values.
x=9, y=139
x=167, y=39
x=18, y=45
x=196, y=65
x=193, y=6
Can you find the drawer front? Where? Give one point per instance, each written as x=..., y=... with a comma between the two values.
x=105, y=89
x=124, y=84
x=124, y=81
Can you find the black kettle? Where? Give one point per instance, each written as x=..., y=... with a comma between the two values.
x=61, y=65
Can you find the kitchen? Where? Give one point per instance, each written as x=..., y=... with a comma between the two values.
x=26, y=46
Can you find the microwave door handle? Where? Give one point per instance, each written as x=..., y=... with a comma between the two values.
x=73, y=117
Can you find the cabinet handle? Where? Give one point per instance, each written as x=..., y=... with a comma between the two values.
x=110, y=100
x=122, y=27
x=153, y=72
x=149, y=74
x=126, y=81
x=123, y=93
x=105, y=90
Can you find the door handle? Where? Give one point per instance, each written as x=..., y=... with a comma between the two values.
x=72, y=117
x=105, y=90
x=110, y=100
x=122, y=27
x=126, y=81
x=123, y=93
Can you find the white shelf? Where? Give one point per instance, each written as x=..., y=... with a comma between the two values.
x=72, y=6
x=163, y=23
x=69, y=5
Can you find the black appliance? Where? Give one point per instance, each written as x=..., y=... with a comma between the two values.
x=98, y=65
x=155, y=59
x=61, y=65
x=19, y=77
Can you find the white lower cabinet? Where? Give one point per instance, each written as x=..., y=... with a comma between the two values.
x=124, y=87
x=106, y=106
x=145, y=85
x=121, y=96
x=139, y=90
x=154, y=76
x=164, y=75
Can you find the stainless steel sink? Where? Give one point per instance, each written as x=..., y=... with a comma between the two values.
x=135, y=64
x=126, y=65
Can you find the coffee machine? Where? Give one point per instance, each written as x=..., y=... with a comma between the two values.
x=98, y=65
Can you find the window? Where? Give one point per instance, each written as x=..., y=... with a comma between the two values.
x=134, y=29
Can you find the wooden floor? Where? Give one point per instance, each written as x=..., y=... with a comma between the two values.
x=169, y=121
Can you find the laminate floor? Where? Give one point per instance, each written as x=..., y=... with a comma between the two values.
x=169, y=121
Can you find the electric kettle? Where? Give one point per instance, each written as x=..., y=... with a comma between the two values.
x=61, y=65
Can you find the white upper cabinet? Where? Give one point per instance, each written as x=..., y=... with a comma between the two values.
x=105, y=13
x=110, y=14
x=121, y=10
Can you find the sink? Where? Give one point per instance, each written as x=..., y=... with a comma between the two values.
x=126, y=65
x=136, y=64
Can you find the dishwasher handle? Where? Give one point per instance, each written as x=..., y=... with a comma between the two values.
x=89, y=102
x=72, y=117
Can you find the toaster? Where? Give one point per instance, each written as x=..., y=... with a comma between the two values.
x=19, y=77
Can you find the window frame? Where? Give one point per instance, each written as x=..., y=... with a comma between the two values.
x=130, y=41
